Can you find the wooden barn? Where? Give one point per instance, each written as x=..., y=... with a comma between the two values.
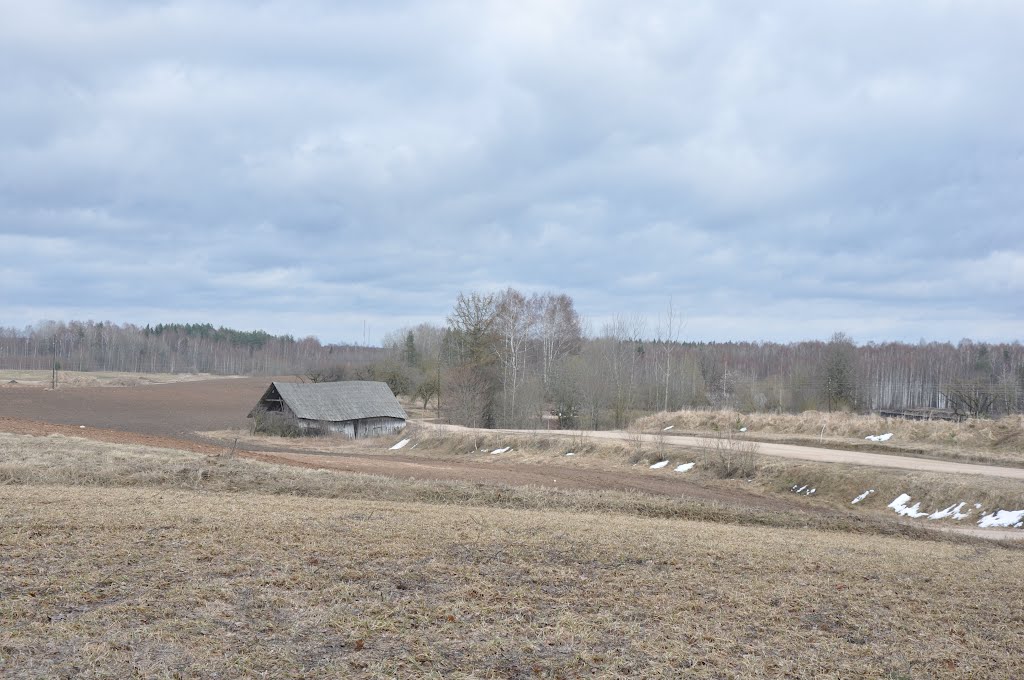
x=354, y=408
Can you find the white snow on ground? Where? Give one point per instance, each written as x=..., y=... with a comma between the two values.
x=743, y=429
x=879, y=437
x=900, y=506
x=668, y=428
x=684, y=467
x=1003, y=518
x=658, y=466
x=571, y=453
x=861, y=497
x=1000, y=518
x=801, y=489
x=952, y=511
x=399, y=445
x=504, y=450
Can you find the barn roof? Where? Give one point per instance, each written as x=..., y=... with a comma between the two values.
x=334, y=401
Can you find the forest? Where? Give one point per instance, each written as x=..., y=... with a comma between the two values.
x=508, y=359
x=169, y=348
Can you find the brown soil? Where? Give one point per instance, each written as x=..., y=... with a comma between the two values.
x=512, y=474
x=172, y=409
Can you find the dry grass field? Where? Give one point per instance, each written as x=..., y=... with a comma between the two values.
x=835, y=485
x=67, y=379
x=124, y=561
x=996, y=442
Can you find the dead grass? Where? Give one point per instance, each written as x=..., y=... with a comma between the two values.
x=68, y=379
x=728, y=455
x=838, y=485
x=126, y=561
x=70, y=461
x=999, y=441
x=102, y=582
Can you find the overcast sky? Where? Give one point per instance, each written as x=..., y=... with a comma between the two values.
x=780, y=170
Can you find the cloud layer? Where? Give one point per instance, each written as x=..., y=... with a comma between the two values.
x=306, y=167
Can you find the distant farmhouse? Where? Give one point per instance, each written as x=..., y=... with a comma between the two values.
x=355, y=408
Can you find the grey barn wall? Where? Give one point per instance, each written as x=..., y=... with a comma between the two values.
x=357, y=429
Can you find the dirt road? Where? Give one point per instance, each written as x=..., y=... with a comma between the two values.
x=809, y=453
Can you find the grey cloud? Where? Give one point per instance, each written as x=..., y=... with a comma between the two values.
x=781, y=171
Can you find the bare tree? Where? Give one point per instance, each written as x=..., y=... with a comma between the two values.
x=624, y=352
x=466, y=397
x=668, y=337
x=559, y=330
x=472, y=323
x=515, y=320
x=712, y=372
x=839, y=369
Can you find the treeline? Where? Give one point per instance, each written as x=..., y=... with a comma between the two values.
x=171, y=348
x=514, y=360
x=511, y=360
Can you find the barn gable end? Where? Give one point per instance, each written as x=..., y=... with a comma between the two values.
x=354, y=409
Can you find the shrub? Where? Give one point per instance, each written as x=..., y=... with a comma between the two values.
x=275, y=424
x=729, y=457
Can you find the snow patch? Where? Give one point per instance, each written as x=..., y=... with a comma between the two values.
x=952, y=511
x=571, y=453
x=805, y=490
x=399, y=445
x=668, y=428
x=743, y=429
x=504, y=450
x=684, y=467
x=900, y=506
x=658, y=466
x=861, y=497
x=879, y=437
x=1003, y=518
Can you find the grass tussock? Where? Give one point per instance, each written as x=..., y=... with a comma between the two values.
x=729, y=456
x=119, y=582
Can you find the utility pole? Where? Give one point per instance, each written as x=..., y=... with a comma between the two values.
x=53, y=372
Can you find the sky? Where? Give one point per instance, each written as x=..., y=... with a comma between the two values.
x=778, y=171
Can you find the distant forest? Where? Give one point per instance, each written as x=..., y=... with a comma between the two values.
x=171, y=348
x=512, y=360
